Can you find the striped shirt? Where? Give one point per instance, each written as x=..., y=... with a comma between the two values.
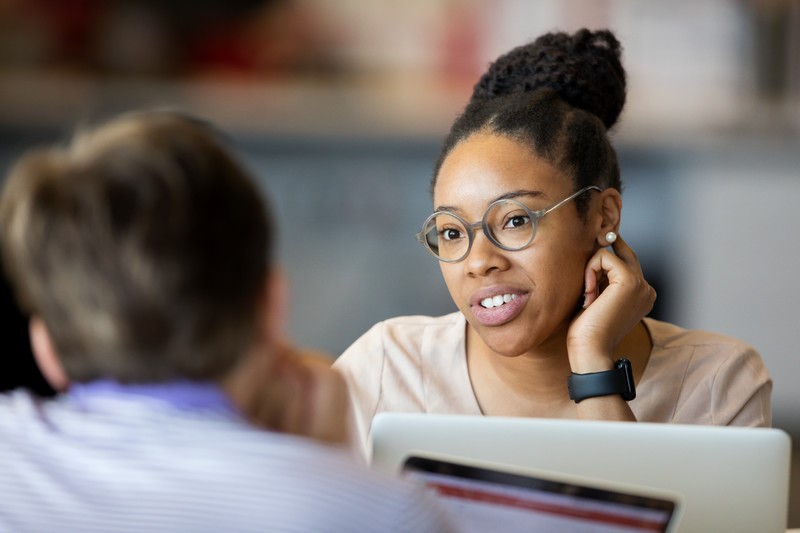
x=177, y=458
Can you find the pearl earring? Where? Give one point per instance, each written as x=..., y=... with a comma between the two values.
x=611, y=237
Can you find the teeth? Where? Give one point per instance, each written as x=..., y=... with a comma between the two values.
x=497, y=301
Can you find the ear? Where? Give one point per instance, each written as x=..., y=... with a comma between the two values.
x=46, y=356
x=610, y=213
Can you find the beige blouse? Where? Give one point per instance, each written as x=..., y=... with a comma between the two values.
x=419, y=364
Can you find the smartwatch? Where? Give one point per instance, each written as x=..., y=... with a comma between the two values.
x=619, y=380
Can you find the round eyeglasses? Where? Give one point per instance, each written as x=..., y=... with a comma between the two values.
x=507, y=223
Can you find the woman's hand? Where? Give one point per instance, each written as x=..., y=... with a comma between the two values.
x=617, y=297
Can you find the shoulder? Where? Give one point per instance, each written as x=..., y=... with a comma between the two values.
x=697, y=376
x=376, y=501
x=415, y=330
x=668, y=335
x=295, y=474
x=402, y=364
x=345, y=494
x=406, y=326
x=21, y=407
x=248, y=467
x=405, y=335
x=402, y=342
x=701, y=347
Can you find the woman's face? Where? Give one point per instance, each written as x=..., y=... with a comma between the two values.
x=544, y=281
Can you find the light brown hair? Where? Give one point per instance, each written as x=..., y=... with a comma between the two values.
x=144, y=247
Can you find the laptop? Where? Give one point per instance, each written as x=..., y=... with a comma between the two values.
x=484, y=496
x=729, y=478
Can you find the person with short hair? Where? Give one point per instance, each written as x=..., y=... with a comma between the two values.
x=552, y=302
x=145, y=256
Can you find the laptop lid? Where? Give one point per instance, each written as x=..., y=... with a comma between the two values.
x=730, y=478
x=484, y=496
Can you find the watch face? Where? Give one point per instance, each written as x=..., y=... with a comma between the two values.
x=630, y=386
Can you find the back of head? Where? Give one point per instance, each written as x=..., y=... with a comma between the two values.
x=143, y=245
x=559, y=94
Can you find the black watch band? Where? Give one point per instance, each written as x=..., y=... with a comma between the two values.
x=619, y=380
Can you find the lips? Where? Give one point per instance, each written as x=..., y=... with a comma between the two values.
x=494, y=306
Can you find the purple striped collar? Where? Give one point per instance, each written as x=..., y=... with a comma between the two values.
x=185, y=395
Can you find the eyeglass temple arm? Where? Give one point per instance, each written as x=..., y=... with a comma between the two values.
x=573, y=196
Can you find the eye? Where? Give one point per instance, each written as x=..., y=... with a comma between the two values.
x=450, y=234
x=517, y=221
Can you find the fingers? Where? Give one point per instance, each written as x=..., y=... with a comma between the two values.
x=620, y=270
x=616, y=298
x=600, y=268
x=591, y=288
x=623, y=261
x=626, y=253
x=629, y=257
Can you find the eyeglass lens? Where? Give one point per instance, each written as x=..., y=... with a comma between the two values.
x=508, y=223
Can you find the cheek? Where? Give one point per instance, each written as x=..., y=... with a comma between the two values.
x=561, y=287
x=556, y=273
x=451, y=277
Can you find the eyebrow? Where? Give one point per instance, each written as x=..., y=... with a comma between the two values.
x=509, y=195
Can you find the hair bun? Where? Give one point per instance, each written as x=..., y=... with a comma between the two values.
x=583, y=68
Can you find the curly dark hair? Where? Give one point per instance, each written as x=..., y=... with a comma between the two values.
x=559, y=94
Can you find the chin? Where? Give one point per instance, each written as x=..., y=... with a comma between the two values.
x=505, y=351
x=505, y=340
x=521, y=336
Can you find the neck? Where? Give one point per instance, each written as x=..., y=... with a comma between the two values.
x=534, y=383
x=531, y=384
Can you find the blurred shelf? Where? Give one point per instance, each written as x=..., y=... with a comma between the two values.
x=383, y=107
x=394, y=107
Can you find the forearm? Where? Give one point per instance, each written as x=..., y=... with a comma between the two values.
x=605, y=408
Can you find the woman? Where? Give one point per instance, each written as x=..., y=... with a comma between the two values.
x=551, y=322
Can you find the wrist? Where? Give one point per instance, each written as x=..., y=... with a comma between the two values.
x=589, y=362
x=618, y=380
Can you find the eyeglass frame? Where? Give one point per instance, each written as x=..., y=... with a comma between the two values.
x=482, y=224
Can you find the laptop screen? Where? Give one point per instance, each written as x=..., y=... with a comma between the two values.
x=481, y=498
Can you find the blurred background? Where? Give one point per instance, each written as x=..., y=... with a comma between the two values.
x=339, y=108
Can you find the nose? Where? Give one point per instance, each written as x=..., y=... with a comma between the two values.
x=484, y=257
